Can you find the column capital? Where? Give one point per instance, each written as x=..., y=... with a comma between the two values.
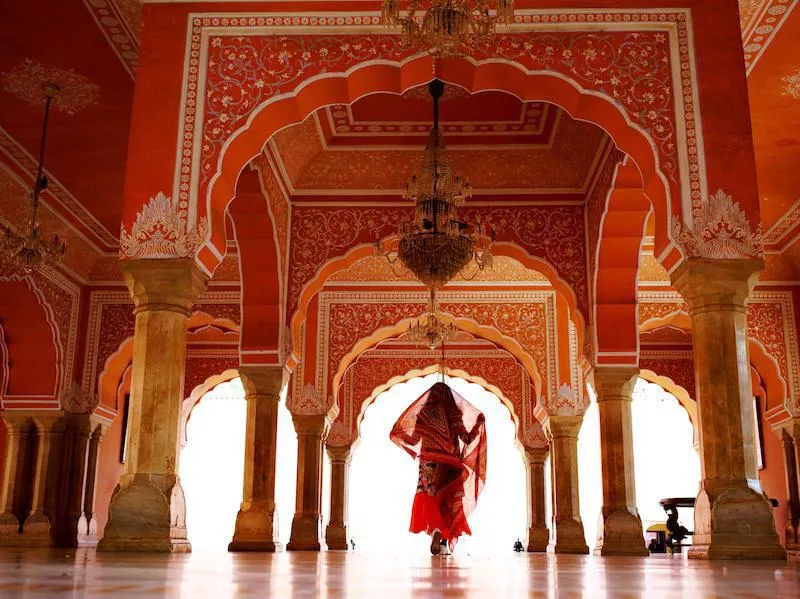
x=704, y=282
x=339, y=453
x=311, y=424
x=791, y=426
x=612, y=382
x=536, y=455
x=169, y=284
x=263, y=379
x=566, y=402
x=534, y=437
x=564, y=426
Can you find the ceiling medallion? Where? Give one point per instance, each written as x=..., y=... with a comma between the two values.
x=430, y=329
x=436, y=246
x=445, y=27
x=27, y=252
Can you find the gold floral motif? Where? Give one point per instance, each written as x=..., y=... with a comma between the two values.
x=340, y=435
x=534, y=437
x=75, y=401
x=721, y=230
x=791, y=85
x=566, y=402
x=309, y=403
x=26, y=80
x=160, y=231
x=371, y=268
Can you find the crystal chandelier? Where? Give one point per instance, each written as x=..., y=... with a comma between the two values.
x=436, y=246
x=27, y=252
x=444, y=27
x=430, y=329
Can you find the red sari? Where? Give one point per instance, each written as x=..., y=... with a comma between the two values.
x=448, y=435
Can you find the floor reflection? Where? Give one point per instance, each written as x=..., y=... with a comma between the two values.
x=84, y=573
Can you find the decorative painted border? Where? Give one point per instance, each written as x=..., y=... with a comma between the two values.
x=763, y=28
x=785, y=231
x=324, y=378
x=671, y=302
x=117, y=31
x=677, y=23
x=98, y=300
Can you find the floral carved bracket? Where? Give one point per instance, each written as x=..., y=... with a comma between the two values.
x=721, y=231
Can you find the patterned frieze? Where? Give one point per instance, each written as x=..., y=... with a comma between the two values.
x=346, y=318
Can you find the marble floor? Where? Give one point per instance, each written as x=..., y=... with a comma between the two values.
x=65, y=573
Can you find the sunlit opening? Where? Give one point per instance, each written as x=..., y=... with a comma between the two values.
x=212, y=467
x=383, y=478
x=665, y=461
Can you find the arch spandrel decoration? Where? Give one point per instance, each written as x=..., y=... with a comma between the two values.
x=771, y=332
x=526, y=319
x=633, y=70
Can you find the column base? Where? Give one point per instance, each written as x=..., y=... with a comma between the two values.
x=87, y=532
x=36, y=532
x=9, y=530
x=570, y=538
x=305, y=534
x=256, y=530
x=336, y=537
x=739, y=525
x=237, y=546
x=145, y=518
x=538, y=539
x=620, y=533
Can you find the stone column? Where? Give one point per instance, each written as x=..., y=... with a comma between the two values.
x=87, y=522
x=732, y=520
x=148, y=510
x=538, y=535
x=257, y=521
x=564, y=419
x=13, y=468
x=620, y=527
x=36, y=529
x=336, y=536
x=311, y=430
x=790, y=436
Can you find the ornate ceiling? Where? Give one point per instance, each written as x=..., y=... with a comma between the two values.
x=505, y=146
x=92, y=49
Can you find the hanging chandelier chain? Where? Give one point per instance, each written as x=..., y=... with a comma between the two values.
x=40, y=184
x=28, y=252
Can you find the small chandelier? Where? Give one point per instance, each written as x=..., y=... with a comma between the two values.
x=436, y=246
x=430, y=329
x=28, y=252
x=443, y=27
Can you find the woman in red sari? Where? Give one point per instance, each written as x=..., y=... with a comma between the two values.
x=448, y=435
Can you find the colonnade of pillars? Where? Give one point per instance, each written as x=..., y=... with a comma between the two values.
x=147, y=511
x=49, y=479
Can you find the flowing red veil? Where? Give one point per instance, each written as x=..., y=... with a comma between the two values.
x=434, y=428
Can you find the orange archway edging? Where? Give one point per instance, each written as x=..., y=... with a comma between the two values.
x=512, y=346
x=340, y=263
x=620, y=237
x=681, y=394
x=374, y=77
x=191, y=401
